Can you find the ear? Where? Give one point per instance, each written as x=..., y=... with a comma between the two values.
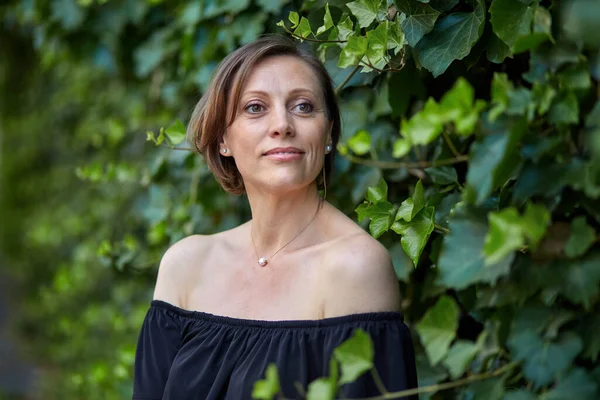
x=224, y=150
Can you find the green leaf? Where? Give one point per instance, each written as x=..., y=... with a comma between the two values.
x=294, y=18
x=360, y=143
x=382, y=216
x=535, y=222
x=355, y=356
x=378, y=193
x=519, y=395
x=458, y=106
x=401, y=148
x=581, y=239
x=564, y=109
x=366, y=11
x=303, y=29
x=591, y=339
x=489, y=389
x=411, y=206
x=458, y=358
x=395, y=36
x=451, y=39
x=175, y=133
x=542, y=360
x=345, y=28
x=497, y=50
x=511, y=19
x=505, y=235
x=321, y=389
x=362, y=211
x=580, y=280
x=266, y=389
x=461, y=260
x=415, y=233
x=420, y=19
x=576, y=77
x=327, y=21
x=438, y=328
x=425, y=126
x=445, y=175
x=377, y=48
x=578, y=384
x=353, y=51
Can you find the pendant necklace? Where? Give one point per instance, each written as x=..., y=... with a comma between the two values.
x=262, y=261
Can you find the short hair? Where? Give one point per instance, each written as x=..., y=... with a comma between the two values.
x=216, y=110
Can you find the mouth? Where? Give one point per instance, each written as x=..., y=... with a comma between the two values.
x=283, y=151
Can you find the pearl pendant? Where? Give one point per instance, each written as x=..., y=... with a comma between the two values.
x=262, y=261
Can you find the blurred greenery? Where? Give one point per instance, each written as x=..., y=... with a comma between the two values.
x=470, y=148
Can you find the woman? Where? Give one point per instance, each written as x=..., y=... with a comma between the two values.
x=293, y=283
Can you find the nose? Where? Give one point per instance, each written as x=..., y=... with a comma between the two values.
x=281, y=123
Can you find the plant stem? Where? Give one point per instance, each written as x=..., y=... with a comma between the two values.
x=444, y=386
x=450, y=144
x=339, y=88
x=396, y=164
x=441, y=229
x=378, y=381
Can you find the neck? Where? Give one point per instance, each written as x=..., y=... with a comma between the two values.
x=278, y=218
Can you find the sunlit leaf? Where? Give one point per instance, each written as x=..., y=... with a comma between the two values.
x=438, y=328
x=355, y=356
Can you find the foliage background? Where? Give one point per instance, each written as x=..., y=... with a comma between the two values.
x=482, y=117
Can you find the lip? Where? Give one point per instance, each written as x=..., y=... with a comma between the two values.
x=284, y=151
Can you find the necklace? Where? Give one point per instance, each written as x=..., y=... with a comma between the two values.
x=262, y=261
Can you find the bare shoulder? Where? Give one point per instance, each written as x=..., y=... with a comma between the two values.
x=178, y=266
x=361, y=277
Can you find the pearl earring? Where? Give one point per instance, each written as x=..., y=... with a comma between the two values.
x=224, y=150
x=327, y=148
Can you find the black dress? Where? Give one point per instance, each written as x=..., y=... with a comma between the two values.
x=185, y=354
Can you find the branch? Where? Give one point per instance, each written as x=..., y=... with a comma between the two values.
x=444, y=386
x=312, y=40
x=441, y=229
x=400, y=164
x=450, y=144
x=339, y=88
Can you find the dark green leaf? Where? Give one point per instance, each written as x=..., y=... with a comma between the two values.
x=355, y=356
x=581, y=239
x=511, y=19
x=378, y=193
x=578, y=384
x=411, y=206
x=415, y=233
x=489, y=389
x=461, y=261
x=438, y=327
x=591, y=338
x=519, y=395
x=451, y=39
x=382, y=216
x=420, y=19
x=543, y=360
x=564, y=109
x=581, y=279
x=443, y=5
x=445, y=175
x=497, y=50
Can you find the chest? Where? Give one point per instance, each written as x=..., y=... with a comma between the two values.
x=286, y=288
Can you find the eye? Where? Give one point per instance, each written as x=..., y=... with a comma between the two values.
x=304, y=107
x=254, y=108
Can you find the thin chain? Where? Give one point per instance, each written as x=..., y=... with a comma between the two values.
x=298, y=234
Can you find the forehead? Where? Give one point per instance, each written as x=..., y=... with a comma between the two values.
x=282, y=72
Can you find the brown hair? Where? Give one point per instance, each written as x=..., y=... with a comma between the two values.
x=216, y=110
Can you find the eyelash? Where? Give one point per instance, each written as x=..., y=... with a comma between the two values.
x=300, y=104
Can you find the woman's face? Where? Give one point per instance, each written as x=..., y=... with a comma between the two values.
x=280, y=130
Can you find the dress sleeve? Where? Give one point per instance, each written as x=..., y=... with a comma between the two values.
x=158, y=343
x=394, y=361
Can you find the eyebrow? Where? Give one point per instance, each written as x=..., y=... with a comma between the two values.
x=293, y=91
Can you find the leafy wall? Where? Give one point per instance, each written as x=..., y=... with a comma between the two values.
x=470, y=148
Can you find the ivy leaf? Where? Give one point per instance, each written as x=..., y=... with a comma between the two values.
x=327, y=21
x=355, y=356
x=411, y=206
x=294, y=18
x=497, y=50
x=543, y=360
x=360, y=143
x=362, y=211
x=420, y=19
x=401, y=148
x=564, y=109
x=489, y=389
x=445, y=175
x=578, y=384
x=580, y=280
x=382, y=216
x=591, y=339
x=461, y=260
x=425, y=126
x=451, y=39
x=377, y=48
x=395, y=36
x=511, y=19
x=175, y=133
x=303, y=29
x=581, y=239
x=365, y=11
x=438, y=328
x=505, y=235
x=519, y=395
x=535, y=222
x=378, y=193
x=321, y=389
x=460, y=355
x=266, y=389
x=345, y=28
x=353, y=51
x=415, y=233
